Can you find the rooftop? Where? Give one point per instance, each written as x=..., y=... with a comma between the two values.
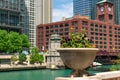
x=104, y=1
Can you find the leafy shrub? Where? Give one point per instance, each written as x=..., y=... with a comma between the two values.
x=22, y=57
x=77, y=40
x=13, y=58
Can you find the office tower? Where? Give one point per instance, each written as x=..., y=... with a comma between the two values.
x=80, y=7
x=36, y=12
x=10, y=15
x=43, y=11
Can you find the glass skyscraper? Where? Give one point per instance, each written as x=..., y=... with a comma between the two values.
x=88, y=8
x=82, y=7
x=10, y=15
x=24, y=15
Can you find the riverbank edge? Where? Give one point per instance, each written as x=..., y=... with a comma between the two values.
x=6, y=68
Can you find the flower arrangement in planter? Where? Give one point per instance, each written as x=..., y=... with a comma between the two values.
x=77, y=52
x=77, y=40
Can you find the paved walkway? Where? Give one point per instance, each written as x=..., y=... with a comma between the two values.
x=7, y=67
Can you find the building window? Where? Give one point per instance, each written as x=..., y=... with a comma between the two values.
x=92, y=33
x=61, y=25
x=100, y=46
x=100, y=38
x=96, y=33
x=91, y=24
x=104, y=38
x=110, y=28
x=110, y=42
x=104, y=30
x=84, y=23
x=100, y=34
x=66, y=24
x=96, y=29
x=96, y=38
x=96, y=25
x=104, y=26
x=91, y=29
x=100, y=26
x=66, y=29
x=56, y=26
x=51, y=26
x=96, y=42
x=104, y=42
x=110, y=39
x=100, y=42
x=104, y=46
x=61, y=29
x=47, y=27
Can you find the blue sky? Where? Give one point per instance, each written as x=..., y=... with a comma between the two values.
x=62, y=8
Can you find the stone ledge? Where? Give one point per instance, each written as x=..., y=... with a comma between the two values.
x=112, y=75
x=79, y=78
x=108, y=75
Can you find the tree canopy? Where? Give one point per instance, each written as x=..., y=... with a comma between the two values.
x=35, y=57
x=12, y=41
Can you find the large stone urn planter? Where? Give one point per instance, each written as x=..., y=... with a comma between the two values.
x=78, y=59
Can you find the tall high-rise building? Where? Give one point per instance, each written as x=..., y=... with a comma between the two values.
x=82, y=7
x=88, y=8
x=24, y=15
x=37, y=13
x=10, y=15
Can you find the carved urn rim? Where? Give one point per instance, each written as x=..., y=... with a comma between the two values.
x=77, y=49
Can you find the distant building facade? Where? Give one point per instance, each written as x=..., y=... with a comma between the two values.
x=104, y=33
x=82, y=7
x=88, y=8
x=10, y=15
x=37, y=13
x=23, y=15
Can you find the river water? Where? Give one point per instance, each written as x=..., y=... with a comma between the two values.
x=42, y=74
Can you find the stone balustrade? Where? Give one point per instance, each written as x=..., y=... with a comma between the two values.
x=112, y=75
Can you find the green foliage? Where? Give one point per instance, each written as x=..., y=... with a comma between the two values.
x=3, y=40
x=41, y=58
x=22, y=57
x=116, y=65
x=12, y=41
x=77, y=40
x=13, y=58
x=34, y=50
x=25, y=41
x=35, y=57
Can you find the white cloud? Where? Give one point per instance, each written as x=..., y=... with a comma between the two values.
x=65, y=10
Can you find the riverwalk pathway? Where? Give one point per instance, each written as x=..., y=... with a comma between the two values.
x=7, y=67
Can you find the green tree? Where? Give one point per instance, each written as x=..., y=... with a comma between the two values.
x=13, y=42
x=22, y=57
x=34, y=50
x=35, y=57
x=41, y=58
x=25, y=41
x=13, y=58
x=3, y=44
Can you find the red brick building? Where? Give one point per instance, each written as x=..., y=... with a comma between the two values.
x=104, y=33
